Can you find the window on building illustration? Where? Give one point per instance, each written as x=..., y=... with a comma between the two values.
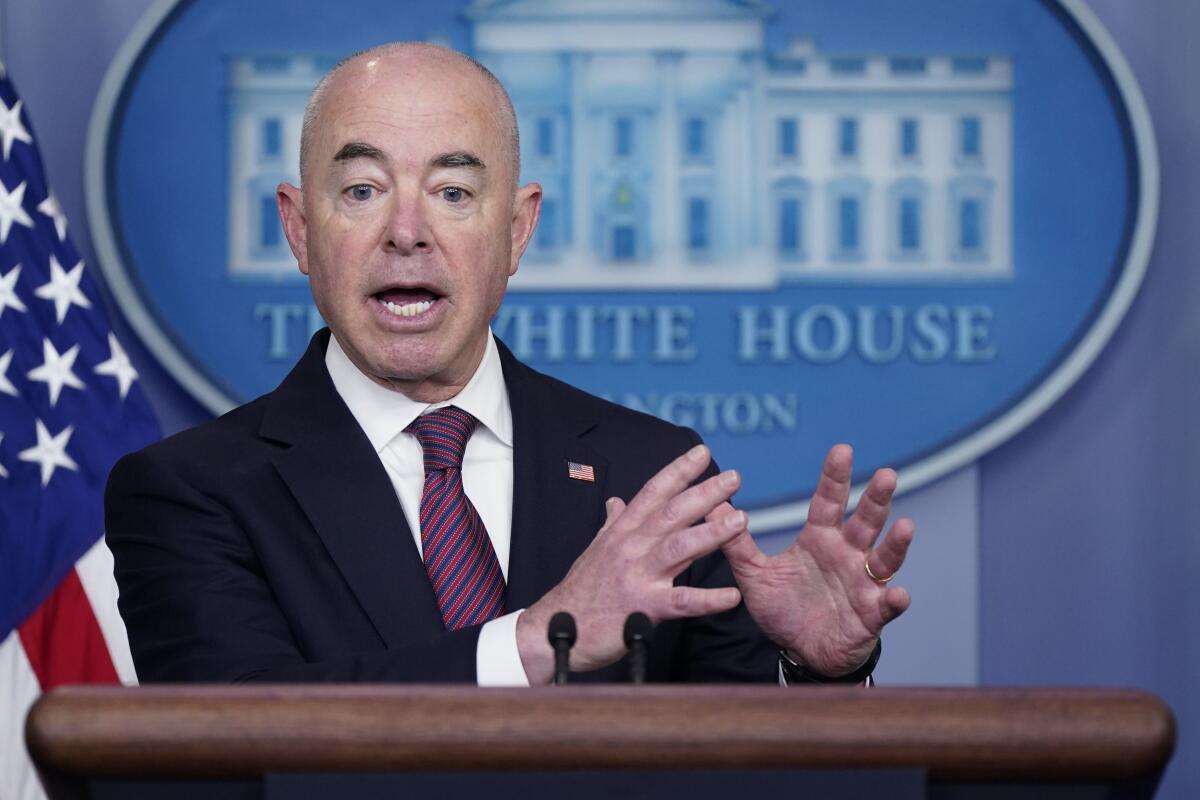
x=848, y=66
x=907, y=66
x=909, y=138
x=969, y=65
x=848, y=137
x=547, y=229
x=789, y=138
x=695, y=137
x=970, y=226
x=272, y=137
x=270, y=235
x=271, y=65
x=624, y=243
x=970, y=136
x=791, y=66
x=848, y=222
x=791, y=229
x=697, y=223
x=910, y=225
x=623, y=136
x=545, y=137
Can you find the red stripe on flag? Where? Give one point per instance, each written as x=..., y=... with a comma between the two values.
x=63, y=641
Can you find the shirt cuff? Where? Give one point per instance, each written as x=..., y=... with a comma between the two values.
x=497, y=660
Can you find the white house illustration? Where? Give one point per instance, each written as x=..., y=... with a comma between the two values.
x=676, y=151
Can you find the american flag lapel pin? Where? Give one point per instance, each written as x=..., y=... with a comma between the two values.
x=581, y=472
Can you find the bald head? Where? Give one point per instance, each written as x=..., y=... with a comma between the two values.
x=417, y=57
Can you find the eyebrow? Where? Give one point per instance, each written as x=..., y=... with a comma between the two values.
x=459, y=158
x=353, y=150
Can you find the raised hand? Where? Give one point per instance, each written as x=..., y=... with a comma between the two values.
x=819, y=598
x=632, y=563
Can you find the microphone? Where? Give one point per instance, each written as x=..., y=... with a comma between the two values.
x=639, y=635
x=562, y=638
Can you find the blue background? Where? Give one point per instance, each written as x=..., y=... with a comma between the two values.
x=1088, y=544
x=1069, y=181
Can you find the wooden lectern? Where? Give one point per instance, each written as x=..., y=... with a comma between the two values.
x=269, y=741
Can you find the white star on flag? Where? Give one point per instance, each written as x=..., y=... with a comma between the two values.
x=55, y=370
x=5, y=384
x=11, y=209
x=8, y=291
x=50, y=451
x=63, y=289
x=53, y=210
x=118, y=366
x=11, y=127
x=56, y=579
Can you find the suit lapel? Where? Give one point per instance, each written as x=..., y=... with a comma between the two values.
x=340, y=483
x=554, y=517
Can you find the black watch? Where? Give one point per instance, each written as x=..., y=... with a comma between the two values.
x=795, y=673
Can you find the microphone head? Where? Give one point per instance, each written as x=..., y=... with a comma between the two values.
x=562, y=629
x=638, y=629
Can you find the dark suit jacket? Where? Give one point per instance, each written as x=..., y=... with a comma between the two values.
x=269, y=544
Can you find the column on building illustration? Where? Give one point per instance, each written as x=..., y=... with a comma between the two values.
x=669, y=237
x=267, y=94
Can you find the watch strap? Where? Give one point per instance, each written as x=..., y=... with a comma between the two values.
x=795, y=672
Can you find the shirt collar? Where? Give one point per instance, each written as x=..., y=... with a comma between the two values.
x=383, y=413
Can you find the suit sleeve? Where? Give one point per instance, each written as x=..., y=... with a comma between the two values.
x=198, y=606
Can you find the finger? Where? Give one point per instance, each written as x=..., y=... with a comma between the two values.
x=689, y=601
x=873, y=509
x=888, y=557
x=694, y=503
x=667, y=483
x=681, y=548
x=893, y=603
x=721, y=510
x=828, y=506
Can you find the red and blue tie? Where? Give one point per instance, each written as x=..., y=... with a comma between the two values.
x=458, y=553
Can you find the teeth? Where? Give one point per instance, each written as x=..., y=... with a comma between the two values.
x=408, y=309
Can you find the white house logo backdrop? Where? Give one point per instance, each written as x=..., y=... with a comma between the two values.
x=906, y=225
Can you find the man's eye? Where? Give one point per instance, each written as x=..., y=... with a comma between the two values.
x=362, y=192
x=453, y=194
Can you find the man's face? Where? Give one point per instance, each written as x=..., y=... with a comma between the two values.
x=407, y=225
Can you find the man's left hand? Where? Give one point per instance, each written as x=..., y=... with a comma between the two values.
x=817, y=598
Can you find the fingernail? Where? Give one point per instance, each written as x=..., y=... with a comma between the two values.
x=609, y=503
x=728, y=479
x=698, y=453
x=735, y=521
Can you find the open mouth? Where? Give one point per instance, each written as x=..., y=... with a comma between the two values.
x=407, y=302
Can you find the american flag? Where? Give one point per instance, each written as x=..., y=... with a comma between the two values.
x=70, y=405
x=580, y=472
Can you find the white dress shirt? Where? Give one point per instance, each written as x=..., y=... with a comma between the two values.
x=487, y=474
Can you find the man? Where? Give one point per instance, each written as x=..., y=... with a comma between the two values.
x=272, y=545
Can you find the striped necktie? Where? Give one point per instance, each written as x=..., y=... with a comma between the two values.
x=458, y=553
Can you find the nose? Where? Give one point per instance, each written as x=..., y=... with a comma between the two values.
x=407, y=231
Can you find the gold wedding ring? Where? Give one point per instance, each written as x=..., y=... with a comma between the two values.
x=874, y=577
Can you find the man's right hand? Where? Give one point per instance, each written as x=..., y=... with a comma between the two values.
x=631, y=566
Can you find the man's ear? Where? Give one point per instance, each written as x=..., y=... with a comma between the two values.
x=295, y=226
x=527, y=207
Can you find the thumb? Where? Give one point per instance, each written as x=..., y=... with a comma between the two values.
x=742, y=551
x=613, y=508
